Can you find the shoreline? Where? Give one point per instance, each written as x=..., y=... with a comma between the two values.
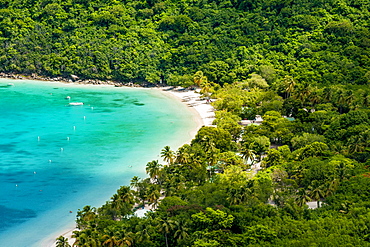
x=203, y=112
x=203, y=115
x=73, y=79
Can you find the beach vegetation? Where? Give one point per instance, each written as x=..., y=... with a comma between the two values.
x=294, y=172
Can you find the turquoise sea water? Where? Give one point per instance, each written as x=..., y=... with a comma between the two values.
x=56, y=158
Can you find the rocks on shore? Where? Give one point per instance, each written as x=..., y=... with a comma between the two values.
x=73, y=79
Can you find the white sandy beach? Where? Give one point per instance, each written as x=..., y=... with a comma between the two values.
x=203, y=116
x=192, y=99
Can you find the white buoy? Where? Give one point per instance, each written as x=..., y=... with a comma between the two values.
x=67, y=138
x=92, y=108
x=38, y=138
x=49, y=161
x=74, y=127
x=16, y=185
x=84, y=117
x=61, y=149
x=34, y=172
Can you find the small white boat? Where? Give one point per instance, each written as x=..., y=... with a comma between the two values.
x=10, y=84
x=76, y=103
x=68, y=97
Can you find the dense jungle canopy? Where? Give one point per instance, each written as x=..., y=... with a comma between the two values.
x=306, y=60
x=318, y=41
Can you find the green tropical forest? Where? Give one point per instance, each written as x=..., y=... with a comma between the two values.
x=303, y=66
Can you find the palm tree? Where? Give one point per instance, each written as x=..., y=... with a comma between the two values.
x=62, y=242
x=349, y=97
x=302, y=197
x=141, y=234
x=123, y=201
x=331, y=187
x=183, y=155
x=168, y=155
x=290, y=83
x=86, y=238
x=304, y=91
x=357, y=143
x=340, y=99
x=208, y=144
x=125, y=194
x=153, y=168
x=109, y=240
x=125, y=241
x=199, y=78
x=315, y=96
x=85, y=217
x=166, y=226
x=153, y=195
x=316, y=194
x=248, y=153
x=142, y=190
x=134, y=182
x=235, y=197
x=117, y=205
x=181, y=230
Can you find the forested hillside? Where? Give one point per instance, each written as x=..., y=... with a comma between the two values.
x=302, y=65
x=318, y=41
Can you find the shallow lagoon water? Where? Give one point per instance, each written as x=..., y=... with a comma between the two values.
x=56, y=158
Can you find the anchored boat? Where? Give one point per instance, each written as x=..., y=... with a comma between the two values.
x=76, y=103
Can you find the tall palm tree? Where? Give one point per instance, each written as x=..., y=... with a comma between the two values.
x=208, y=144
x=142, y=234
x=123, y=201
x=290, y=84
x=183, y=155
x=303, y=92
x=302, y=197
x=127, y=240
x=199, y=78
x=86, y=238
x=356, y=144
x=109, y=240
x=181, y=230
x=125, y=194
x=142, y=190
x=248, y=153
x=316, y=194
x=153, y=197
x=166, y=226
x=331, y=186
x=85, y=216
x=153, y=168
x=62, y=242
x=315, y=96
x=168, y=155
x=134, y=182
x=327, y=94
